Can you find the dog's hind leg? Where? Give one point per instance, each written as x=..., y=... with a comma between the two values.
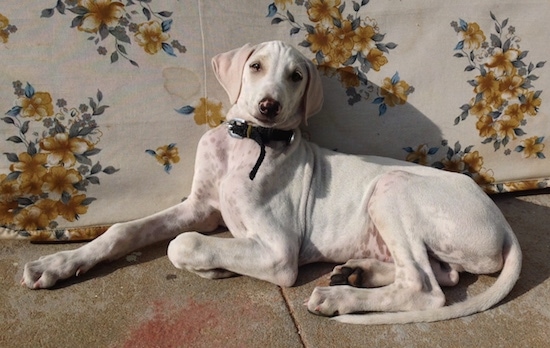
x=415, y=286
x=372, y=273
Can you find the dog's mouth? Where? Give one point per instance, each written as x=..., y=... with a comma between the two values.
x=278, y=122
x=278, y=119
x=266, y=120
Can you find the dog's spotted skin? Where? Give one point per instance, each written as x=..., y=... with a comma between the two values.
x=401, y=229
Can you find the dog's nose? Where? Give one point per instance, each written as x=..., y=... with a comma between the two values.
x=269, y=107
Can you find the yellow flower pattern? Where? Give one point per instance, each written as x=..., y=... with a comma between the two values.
x=282, y=3
x=504, y=98
x=112, y=19
x=324, y=10
x=6, y=29
x=345, y=45
x=30, y=166
x=473, y=36
x=59, y=180
x=206, y=112
x=62, y=149
x=166, y=155
x=38, y=106
x=504, y=94
x=394, y=92
x=531, y=147
x=456, y=159
x=151, y=37
x=100, y=13
x=420, y=155
x=48, y=180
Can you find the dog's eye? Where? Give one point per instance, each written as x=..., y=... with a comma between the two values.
x=255, y=66
x=296, y=76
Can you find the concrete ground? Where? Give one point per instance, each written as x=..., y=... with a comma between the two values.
x=143, y=301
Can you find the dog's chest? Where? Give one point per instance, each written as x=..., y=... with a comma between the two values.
x=246, y=203
x=242, y=157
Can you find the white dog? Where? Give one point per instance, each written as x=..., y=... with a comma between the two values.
x=403, y=229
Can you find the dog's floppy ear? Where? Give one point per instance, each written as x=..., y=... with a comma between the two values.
x=228, y=68
x=313, y=96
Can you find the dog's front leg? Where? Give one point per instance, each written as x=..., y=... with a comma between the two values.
x=118, y=241
x=213, y=257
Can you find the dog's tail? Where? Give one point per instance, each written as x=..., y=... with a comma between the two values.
x=497, y=292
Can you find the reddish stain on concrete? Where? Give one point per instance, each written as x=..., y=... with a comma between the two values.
x=194, y=324
x=173, y=326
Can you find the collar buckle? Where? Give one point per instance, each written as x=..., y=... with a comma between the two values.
x=291, y=139
x=234, y=125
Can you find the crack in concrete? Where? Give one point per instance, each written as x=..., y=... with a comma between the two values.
x=292, y=316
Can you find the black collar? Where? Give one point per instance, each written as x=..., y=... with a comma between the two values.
x=240, y=129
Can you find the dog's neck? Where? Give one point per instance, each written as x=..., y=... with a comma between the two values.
x=240, y=129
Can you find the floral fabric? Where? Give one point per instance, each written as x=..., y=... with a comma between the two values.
x=103, y=101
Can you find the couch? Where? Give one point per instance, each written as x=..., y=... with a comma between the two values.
x=103, y=102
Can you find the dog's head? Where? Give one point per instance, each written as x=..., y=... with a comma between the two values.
x=272, y=84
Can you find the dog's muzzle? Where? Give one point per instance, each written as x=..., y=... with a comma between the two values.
x=269, y=107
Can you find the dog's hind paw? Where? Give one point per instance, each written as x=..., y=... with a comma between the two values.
x=363, y=273
x=330, y=301
x=342, y=275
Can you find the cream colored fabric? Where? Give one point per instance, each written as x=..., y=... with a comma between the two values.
x=103, y=102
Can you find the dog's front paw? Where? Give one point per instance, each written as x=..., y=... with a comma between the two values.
x=46, y=271
x=328, y=301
